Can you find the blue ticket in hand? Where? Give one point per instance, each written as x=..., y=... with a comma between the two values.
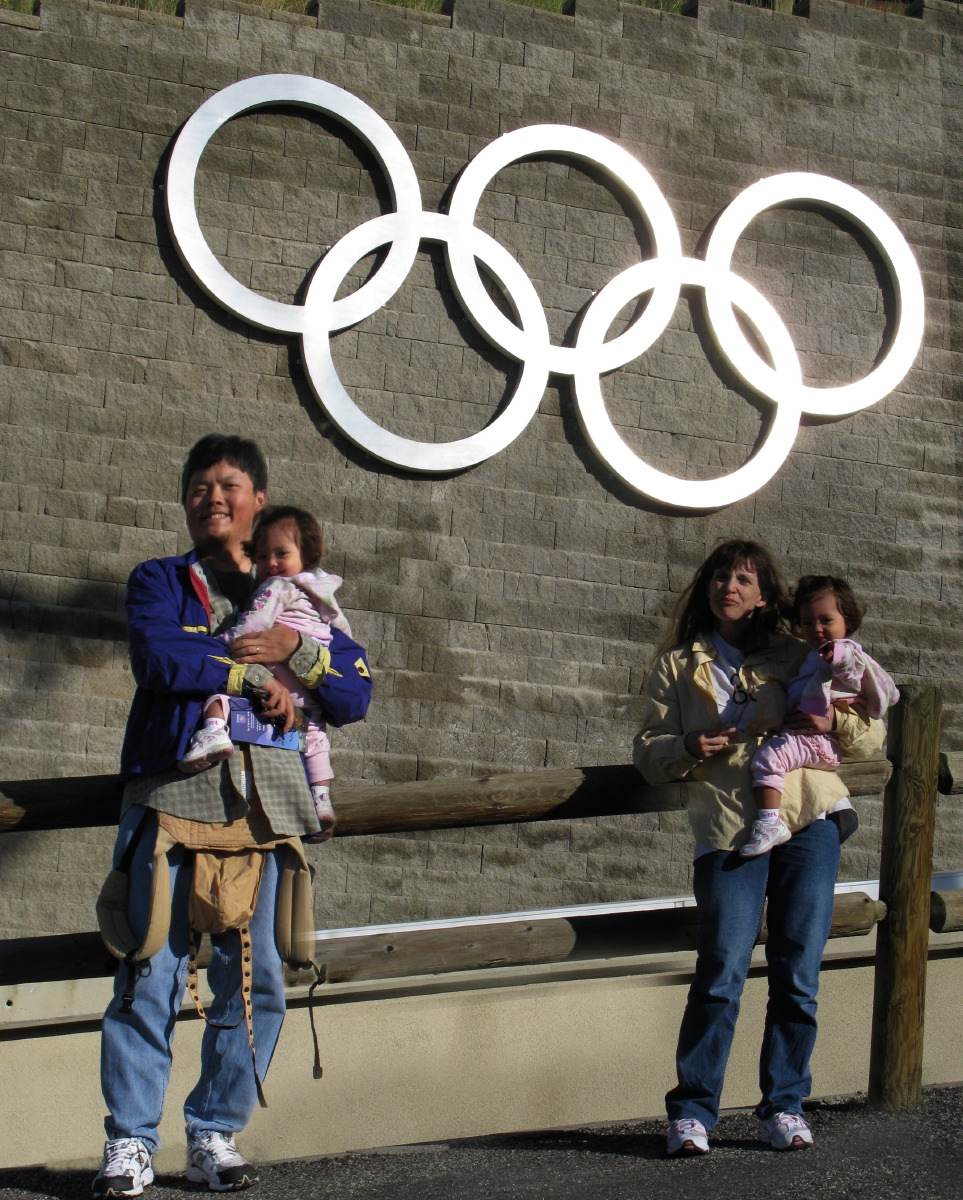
x=247, y=726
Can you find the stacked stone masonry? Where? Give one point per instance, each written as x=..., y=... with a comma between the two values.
x=510, y=609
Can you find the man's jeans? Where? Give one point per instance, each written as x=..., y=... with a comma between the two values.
x=798, y=878
x=135, y=1060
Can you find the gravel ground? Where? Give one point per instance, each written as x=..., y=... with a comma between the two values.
x=860, y=1154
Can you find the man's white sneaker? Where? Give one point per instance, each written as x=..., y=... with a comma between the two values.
x=764, y=836
x=207, y=747
x=213, y=1158
x=686, y=1137
x=125, y=1169
x=786, y=1131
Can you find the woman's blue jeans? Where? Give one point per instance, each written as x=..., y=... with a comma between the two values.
x=135, y=1062
x=797, y=878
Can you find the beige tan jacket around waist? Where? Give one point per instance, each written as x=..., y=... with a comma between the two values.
x=680, y=699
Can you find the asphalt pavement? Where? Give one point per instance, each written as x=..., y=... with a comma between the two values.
x=859, y=1154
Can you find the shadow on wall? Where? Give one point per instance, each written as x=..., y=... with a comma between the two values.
x=67, y=688
x=82, y=614
x=65, y=696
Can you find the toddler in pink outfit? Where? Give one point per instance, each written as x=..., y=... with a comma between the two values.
x=286, y=548
x=837, y=670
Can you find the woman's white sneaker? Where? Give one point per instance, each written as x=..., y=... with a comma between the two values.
x=786, y=1131
x=686, y=1137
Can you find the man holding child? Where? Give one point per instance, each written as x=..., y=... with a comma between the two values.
x=254, y=803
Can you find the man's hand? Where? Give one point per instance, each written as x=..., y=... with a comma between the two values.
x=274, y=645
x=703, y=743
x=803, y=722
x=276, y=704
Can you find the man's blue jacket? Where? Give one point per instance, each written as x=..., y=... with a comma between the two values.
x=177, y=664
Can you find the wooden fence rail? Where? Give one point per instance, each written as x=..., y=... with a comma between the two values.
x=576, y=792
x=390, y=953
x=906, y=864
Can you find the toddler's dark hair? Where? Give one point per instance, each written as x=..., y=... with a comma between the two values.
x=307, y=532
x=810, y=586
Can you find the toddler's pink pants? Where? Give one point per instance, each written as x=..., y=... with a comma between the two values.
x=787, y=752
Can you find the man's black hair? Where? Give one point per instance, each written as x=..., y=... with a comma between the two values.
x=219, y=447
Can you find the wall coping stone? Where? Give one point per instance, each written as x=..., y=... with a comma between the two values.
x=606, y=15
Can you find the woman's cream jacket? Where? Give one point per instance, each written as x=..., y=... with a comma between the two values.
x=679, y=698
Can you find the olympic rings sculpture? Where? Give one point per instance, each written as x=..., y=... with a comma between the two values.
x=526, y=339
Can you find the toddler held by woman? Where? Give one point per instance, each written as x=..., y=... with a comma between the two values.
x=836, y=672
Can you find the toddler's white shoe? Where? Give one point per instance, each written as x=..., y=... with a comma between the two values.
x=764, y=836
x=324, y=810
x=207, y=748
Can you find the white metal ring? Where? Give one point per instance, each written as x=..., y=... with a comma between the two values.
x=622, y=168
x=608, y=442
x=356, y=425
x=523, y=335
x=850, y=203
x=302, y=92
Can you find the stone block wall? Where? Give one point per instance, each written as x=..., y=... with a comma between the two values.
x=510, y=609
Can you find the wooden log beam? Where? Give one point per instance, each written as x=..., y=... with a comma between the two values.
x=79, y=802
x=946, y=911
x=906, y=864
x=430, y=951
x=376, y=955
x=397, y=953
x=855, y=914
x=60, y=956
x=501, y=799
x=94, y=800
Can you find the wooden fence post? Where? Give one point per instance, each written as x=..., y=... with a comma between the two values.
x=906, y=865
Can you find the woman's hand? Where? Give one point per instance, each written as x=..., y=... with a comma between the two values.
x=703, y=743
x=803, y=722
x=276, y=704
x=274, y=645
